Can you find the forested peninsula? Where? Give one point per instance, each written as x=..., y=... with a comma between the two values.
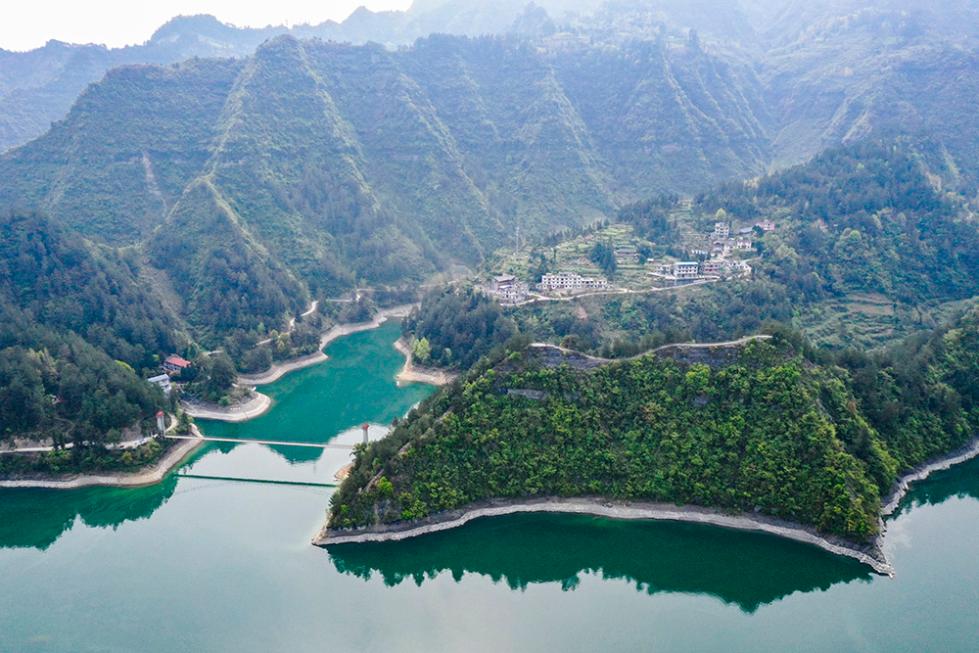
x=770, y=428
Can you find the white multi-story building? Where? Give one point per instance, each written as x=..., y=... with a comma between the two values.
x=686, y=269
x=163, y=381
x=722, y=230
x=559, y=281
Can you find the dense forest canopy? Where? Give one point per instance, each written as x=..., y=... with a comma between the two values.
x=781, y=429
x=457, y=327
x=76, y=329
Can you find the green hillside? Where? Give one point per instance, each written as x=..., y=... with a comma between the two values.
x=322, y=165
x=76, y=329
x=866, y=233
x=771, y=427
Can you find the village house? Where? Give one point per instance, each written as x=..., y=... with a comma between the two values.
x=765, y=225
x=714, y=268
x=174, y=365
x=571, y=281
x=742, y=244
x=722, y=230
x=508, y=289
x=686, y=270
x=163, y=381
x=740, y=268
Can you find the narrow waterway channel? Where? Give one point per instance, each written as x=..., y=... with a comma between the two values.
x=211, y=565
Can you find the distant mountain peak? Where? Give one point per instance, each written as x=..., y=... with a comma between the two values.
x=195, y=24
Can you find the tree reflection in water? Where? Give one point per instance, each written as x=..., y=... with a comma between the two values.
x=746, y=569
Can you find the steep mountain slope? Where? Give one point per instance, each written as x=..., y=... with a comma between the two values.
x=837, y=71
x=659, y=115
x=131, y=144
x=40, y=86
x=330, y=163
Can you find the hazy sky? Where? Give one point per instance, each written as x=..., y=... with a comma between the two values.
x=26, y=24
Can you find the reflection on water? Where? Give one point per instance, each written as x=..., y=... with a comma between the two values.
x=229, y=551
x=745, y=569
x=37, y=518
x=961, y=481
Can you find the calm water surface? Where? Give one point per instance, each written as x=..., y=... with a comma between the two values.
x=204, y=565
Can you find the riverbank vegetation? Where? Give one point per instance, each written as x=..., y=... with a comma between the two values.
x=785, y=430
x=82, y=459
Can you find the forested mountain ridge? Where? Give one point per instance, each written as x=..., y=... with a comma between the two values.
x=77, y=327
x=775, y=428
x=38, y=87
x=873, y=220
x=831, y=71
x=321, y=164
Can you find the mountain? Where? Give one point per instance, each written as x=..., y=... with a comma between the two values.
x=768, y=427
x=77, y=324
x=38, y=87
x=313, y=165
x=836, y=71
x=830, y=72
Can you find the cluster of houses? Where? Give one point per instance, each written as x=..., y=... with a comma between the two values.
x=508, y=289
x=694, y=270
x=173, y=365
x=723, y=240
x=713, y=261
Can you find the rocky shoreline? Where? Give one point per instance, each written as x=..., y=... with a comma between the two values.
x=411, y=373
x=922, y=472
x=256, y=405
x=870, y=555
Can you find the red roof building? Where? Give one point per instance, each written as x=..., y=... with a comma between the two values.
x=175, y=364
